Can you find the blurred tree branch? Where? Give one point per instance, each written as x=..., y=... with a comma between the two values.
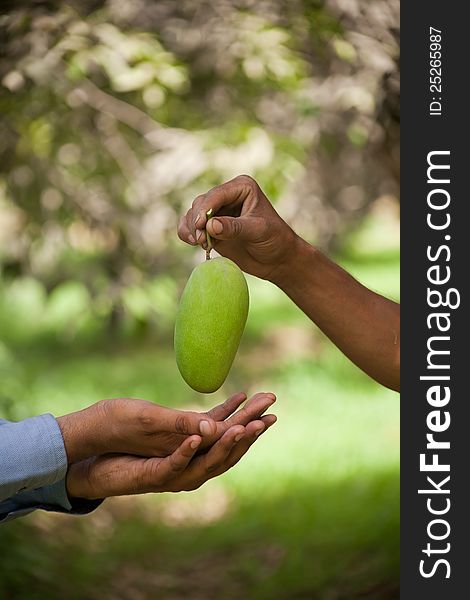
x=115, y=115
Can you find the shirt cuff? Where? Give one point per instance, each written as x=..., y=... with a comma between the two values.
x=55, y=498
x=52, y=498
x=33, y=455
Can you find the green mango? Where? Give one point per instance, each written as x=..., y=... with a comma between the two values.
x=210, y=322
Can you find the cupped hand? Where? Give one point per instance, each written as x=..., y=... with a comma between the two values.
x=244, y=227
x=223, y=415
x=139, y=427
x=117, y=475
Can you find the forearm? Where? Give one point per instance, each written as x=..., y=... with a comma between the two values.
x=364, y=325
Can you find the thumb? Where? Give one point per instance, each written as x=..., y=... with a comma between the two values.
x=186, y=422
x=231, y=228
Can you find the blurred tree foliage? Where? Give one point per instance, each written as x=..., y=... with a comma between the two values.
x=114, y=115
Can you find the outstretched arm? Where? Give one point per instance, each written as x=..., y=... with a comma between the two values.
x=119, y=446
x=247, y=229
x=363, y=324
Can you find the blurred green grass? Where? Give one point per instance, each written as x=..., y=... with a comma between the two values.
x=312, y=512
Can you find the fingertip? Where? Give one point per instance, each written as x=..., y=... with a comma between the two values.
x=265, y=397
x=200, y=221
x=236, y=437
x=185, y=237
x=195, y=442
x=269, y=420
x=239, y=397
x=227, y=408
x=259, y=430
x=235, y=401
x=255, y=427
x=268, y=424
x=269, y=398
x=236, y=431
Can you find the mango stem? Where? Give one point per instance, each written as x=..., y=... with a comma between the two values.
x=208, y=237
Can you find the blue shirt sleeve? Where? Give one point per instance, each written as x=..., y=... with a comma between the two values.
x=32, y=455
x=33, y=465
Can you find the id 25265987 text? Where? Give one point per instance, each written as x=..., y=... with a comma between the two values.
x=435, y=71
